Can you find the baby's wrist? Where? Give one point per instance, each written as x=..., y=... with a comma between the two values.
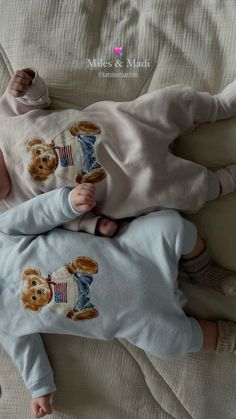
x=48, y=395
x=70, y=200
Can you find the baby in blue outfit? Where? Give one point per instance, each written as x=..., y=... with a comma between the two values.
x=59, y=281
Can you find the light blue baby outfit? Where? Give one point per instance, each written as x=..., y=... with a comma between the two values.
x=134, y=290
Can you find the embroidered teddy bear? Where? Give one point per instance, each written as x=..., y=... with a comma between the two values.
x=63, y=155
x=43, y=159
x=65, y=291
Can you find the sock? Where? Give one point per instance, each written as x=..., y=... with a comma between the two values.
x=227, y=179
x=202, y=270
x=227, y=101
x=226, y=336
x=226, y=105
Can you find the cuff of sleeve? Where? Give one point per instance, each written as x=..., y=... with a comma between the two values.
x=86, y=223
x=196, y=343
x=190, y=236
x=72, y=208
x=37, y=92
x=67, y=208
x=89, y=222
x=44, y=386
x=227, y=99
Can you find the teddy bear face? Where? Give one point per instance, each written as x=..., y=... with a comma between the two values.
x=36, y=292
x=44, y=160
x=62, y=289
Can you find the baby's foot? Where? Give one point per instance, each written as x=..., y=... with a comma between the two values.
x=106, y=227
x=203, y=271
x=227, y=179
x=226, y=336
x=227, y=100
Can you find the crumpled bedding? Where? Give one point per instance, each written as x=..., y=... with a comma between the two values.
x=185, y=42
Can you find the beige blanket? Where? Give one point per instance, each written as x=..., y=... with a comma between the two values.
x=186, y=41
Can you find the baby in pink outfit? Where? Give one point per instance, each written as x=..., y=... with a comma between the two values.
x=83, y=198
x=122, y=147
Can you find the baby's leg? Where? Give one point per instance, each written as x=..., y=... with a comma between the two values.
x=202, y=270
x=212, y=108
x=197, y=265
x=216, y=107
x=177, y=109
x=219, y=335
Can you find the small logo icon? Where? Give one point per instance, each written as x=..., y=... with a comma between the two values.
x=118, y=51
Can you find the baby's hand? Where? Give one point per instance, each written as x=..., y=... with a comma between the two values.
x=82, y=197
x=20, y=82
x=41, y=406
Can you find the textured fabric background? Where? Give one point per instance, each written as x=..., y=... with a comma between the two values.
x=186, y=41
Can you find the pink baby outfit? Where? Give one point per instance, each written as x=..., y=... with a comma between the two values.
x=132, y=148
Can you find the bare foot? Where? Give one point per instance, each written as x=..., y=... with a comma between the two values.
x=106, y=227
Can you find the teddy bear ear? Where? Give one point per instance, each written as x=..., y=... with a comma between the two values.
x=83, y=264
x=34, y=141
x=31, y=271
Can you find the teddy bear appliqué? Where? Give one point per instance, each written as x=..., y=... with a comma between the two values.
x=65, y=291
x=45, y=159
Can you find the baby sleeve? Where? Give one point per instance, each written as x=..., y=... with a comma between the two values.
x=29, y=356
x=37, y=97
x=39, y=214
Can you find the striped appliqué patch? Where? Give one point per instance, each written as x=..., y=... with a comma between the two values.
x=65, y=155
x=60, y=292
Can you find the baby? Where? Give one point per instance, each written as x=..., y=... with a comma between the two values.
x=123, y=147
x=98, y=287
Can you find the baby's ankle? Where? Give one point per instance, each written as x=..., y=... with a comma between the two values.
x=210, y=333
x=106, y=227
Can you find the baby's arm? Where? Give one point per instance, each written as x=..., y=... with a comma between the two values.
x=26, y=91
x=49, y=210
x=39, y=215
x=29, y=356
